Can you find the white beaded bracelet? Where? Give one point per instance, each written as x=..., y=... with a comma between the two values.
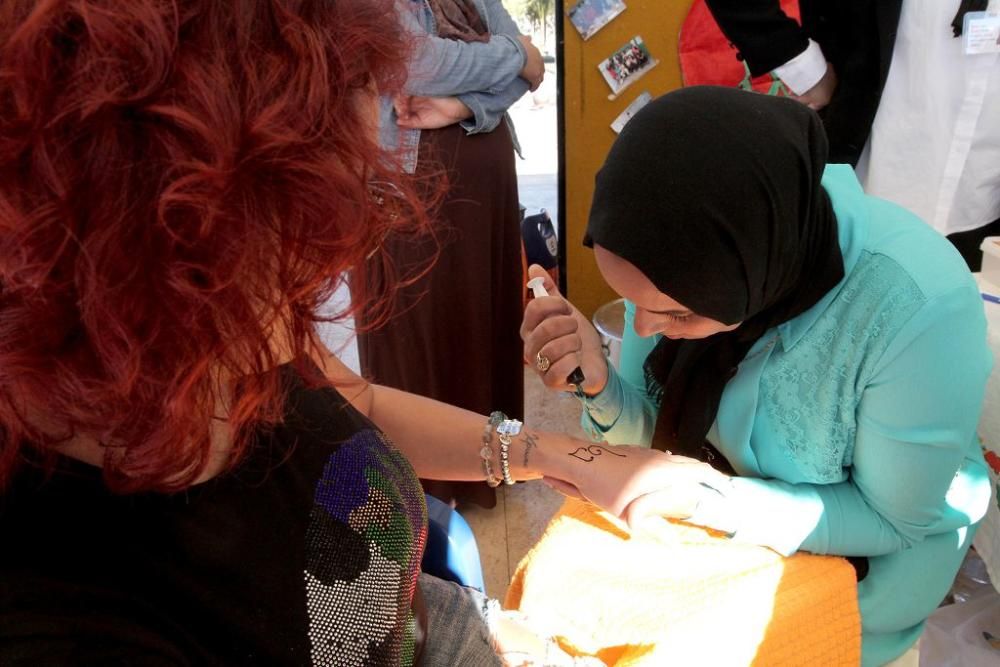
x=486, y=452
x=506, y=430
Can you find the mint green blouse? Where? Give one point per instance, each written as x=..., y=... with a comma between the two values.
x=852, y=426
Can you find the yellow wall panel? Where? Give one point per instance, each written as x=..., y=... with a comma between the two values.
x=588, y=115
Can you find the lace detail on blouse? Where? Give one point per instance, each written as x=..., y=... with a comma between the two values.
x=811, y=392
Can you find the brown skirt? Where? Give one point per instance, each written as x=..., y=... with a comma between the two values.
x=454, y=334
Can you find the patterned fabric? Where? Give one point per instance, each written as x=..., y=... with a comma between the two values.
x=458, y=19
x=307, y=553
x=814, y=388
x=366, y=532
x=491, y=78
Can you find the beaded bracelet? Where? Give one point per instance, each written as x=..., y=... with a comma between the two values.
x=487, y=450
x=506, y=430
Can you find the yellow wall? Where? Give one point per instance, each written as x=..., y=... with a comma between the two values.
x=588, y=116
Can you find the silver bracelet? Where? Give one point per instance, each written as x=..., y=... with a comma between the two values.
x=487, y=449
x=506, y=430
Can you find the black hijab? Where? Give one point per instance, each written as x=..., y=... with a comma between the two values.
x=714, y=195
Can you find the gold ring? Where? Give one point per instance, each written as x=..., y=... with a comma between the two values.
x=542, y=362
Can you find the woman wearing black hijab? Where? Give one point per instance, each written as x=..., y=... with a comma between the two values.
x=826, y=348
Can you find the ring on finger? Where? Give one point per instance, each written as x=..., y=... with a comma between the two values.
x=542, y=362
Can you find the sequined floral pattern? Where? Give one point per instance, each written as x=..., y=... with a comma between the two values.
x=366, y=534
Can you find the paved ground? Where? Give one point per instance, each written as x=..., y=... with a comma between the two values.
x=536, y=122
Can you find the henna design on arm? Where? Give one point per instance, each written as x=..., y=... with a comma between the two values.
x=530, y=442
x=593, y=451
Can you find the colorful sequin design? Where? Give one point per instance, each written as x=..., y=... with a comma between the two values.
x=366, y=534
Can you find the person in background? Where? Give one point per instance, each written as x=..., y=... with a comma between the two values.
x=836, y=61
x=935, y=142
x=826, y=348
x=469, y=65
x=187, y=476
x=899, y=98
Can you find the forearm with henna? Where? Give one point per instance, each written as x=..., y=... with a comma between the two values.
x=590, y=453
x=555, y=455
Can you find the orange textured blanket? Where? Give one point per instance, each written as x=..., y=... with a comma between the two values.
x=673, y=594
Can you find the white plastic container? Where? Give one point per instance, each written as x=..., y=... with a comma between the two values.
x=609, y=320
x=991, y=260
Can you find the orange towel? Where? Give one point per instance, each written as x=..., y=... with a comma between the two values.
x=673, y=594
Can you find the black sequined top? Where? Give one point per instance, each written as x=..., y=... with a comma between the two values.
x=308, y=553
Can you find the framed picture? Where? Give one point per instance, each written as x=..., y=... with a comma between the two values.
x=626, y=65
x=589, y=16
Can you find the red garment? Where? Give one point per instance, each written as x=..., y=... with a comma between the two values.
x=707, y=57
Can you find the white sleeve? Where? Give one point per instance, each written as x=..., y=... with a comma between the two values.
x=804, y=70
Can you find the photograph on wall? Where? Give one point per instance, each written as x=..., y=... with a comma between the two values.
x=618, y=124
x=626, y=65
x=589, y=16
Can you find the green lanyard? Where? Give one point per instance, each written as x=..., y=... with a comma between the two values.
x=777, y=86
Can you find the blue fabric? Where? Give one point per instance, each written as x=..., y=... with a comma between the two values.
x=852, y=426
x=451, y=552
x=484, y=75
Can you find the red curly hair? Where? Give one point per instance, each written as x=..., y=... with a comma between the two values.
x=181, y=183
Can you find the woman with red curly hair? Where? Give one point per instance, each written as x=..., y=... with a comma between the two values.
x=186, y=475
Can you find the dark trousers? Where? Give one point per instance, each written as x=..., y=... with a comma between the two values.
x=968, y=243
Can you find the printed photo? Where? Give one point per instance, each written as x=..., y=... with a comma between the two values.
x=627, y=64
x=589, y=16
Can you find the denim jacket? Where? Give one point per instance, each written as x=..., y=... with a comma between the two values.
x=485, y=76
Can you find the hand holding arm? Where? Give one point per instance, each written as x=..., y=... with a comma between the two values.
x=501, y=23
x=820, y=94
x=488, y=109
x=486, y=77
x=444, y=67
x=534, y=67
x=636, y=483
x=430, y=113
